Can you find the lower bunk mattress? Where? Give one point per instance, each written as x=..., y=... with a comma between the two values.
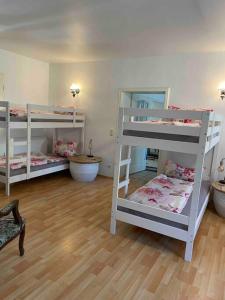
x=54, y=161
x=164, y=192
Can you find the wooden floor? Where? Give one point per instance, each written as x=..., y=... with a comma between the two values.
x=70, y=253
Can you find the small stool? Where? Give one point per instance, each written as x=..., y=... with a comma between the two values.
x=219, y=198
x=84, y=168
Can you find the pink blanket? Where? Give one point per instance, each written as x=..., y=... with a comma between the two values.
x=173, y=122
x=20, y=112
x=163, y=192
x=35, y=160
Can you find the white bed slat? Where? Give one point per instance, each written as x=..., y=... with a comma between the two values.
x=160, y=144
x=18, y=125
x=56, y=125
x=17, y=178
x=51, y=116
x=201, y=213
x=38, y=173
x=167, y=129
x=175, y=217
x=37, y=107
x=152, y=225
x=49, y=170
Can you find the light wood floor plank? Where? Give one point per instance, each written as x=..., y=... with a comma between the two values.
x=70, y=254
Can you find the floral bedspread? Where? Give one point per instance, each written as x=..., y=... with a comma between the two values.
x=163, y=192
x=35, y=160
x=186, y=123
x=22, y=112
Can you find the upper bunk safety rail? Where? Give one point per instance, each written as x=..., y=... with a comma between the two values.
x=164, y=113
x=214, y=131
x=55, y=113
x=181, y=137
x=40, y=116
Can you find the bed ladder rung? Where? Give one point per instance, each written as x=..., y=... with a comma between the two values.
x=125, y=162
x=123, y=183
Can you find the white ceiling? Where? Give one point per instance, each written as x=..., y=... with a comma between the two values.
x=84, y=30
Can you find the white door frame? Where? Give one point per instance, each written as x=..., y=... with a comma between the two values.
x=165, y=90
x=2, y=92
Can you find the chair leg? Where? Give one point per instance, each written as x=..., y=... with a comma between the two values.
x=7, y=189
x=21, y=240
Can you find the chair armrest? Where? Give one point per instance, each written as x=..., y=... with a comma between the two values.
x=12, y=207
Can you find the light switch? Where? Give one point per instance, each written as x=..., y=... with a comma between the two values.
x=111, y=132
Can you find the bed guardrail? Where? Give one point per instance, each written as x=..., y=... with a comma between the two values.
x=164, y=113
x=42, y=116
x=168, y=137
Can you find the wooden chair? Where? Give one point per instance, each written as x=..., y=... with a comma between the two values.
x=11, y=227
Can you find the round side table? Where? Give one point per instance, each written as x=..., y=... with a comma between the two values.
x=84, y=168
x=219, y=198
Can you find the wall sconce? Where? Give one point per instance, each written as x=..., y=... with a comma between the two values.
x=222, y=90
x=75, y=89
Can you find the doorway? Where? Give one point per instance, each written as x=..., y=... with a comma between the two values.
x=1, y=86
x=145, y=160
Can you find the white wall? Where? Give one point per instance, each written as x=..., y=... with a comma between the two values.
x=26, y=81
x=193, y=79
x=96, y=98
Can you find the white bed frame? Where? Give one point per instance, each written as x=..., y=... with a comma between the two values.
x=75, y=119
x=183, y=226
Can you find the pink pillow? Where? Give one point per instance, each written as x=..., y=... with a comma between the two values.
x=175, y=170
x=65, y=149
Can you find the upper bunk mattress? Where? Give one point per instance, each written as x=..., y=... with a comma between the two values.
x=24, y=119
x=163, y=192
x=53, y=161
x=162, y=135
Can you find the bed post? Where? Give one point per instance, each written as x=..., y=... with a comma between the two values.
x=116, y=180
x=83, y=137
x=213, y=164
x=7, y=183
x=215, y=155
x=28, y=139
x=127, y=170
x=197, y=187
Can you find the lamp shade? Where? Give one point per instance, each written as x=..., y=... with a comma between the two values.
x=221, y=86
x=74, y=87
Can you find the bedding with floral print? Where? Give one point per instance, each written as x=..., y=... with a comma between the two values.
x=65, y=149
x=175, y=170
x=164, y=182
x=150, y=191
x=170, y=194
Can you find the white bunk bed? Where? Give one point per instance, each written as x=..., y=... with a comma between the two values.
x=35, y=116
x=199, y=139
